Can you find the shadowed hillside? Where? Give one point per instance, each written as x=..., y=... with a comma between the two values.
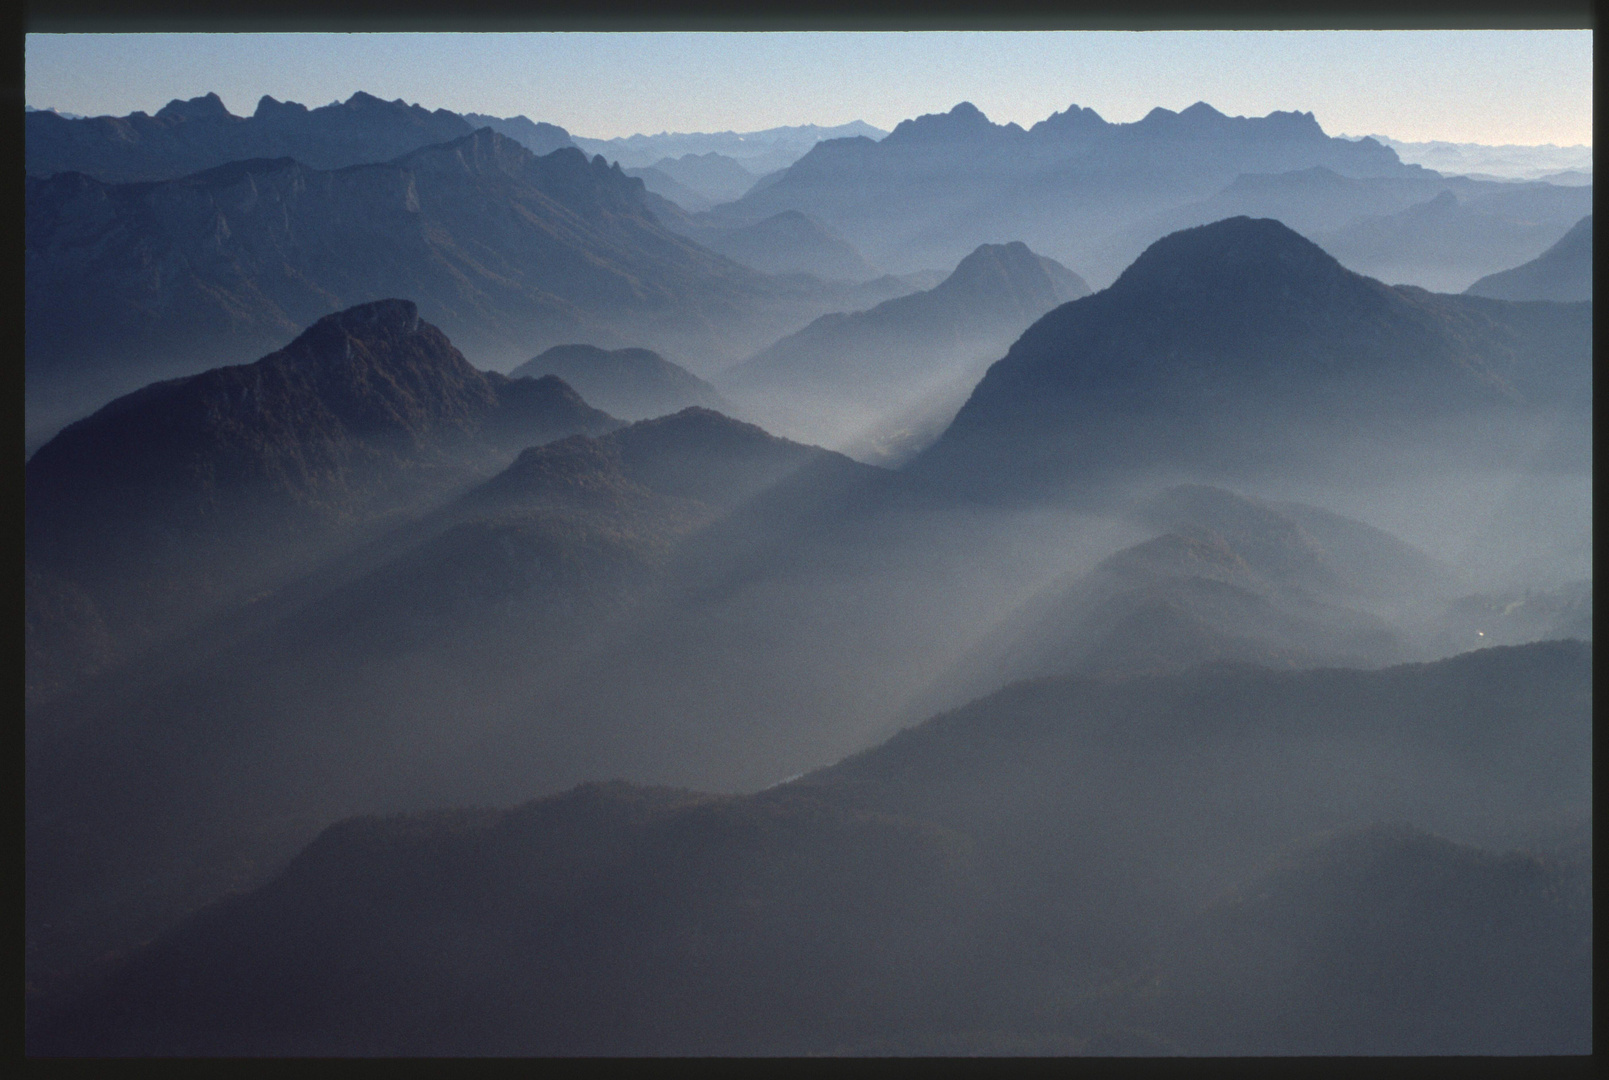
x=1240, y=347
x=196, y=492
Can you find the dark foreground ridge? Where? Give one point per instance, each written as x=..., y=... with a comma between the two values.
x=1044, y=871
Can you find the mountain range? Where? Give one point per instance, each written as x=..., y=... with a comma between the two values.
x=759, y=152
x=186, y=137
x=985, y=664
x=508, y=252
x=939, y=185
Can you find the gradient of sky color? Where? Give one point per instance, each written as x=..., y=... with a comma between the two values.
x=1494, y=87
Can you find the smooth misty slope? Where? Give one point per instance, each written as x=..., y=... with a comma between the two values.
x=183, y=495
x=939, y=185
x=848, y=367
x=507, y=252
x=1384, y=939
x=633, y=384
x=189, y=136
x=784, y=243
x=1241, y=346
x=1005, y=878
x=1303, y=547
x=1447, y=242
x=421, y=676
x=1563, y=272
x=1229, y=578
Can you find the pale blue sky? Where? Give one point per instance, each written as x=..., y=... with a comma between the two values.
x=1526, y=86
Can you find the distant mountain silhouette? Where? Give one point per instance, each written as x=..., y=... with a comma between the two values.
x=1238, y=343
x=172, y=499
x=1042, y=871
x=633, y=384
x=1563, y=272
x=759, y=152
x=939, y=185
x=187, y=137
x=507, y=252
x=539, y=138
x=1449, y=241
x=856, y=365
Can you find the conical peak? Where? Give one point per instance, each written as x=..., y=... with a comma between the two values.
x=987, y=257
x=207, y=107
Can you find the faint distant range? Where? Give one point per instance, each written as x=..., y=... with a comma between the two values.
x=760, y=152
x=1508, y=162
x=58, y=112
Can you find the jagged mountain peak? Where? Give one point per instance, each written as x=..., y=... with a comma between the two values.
x=963, y=120
x=207, y=107
x=268, y=106
x=372, y=382
x=1072, y=120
